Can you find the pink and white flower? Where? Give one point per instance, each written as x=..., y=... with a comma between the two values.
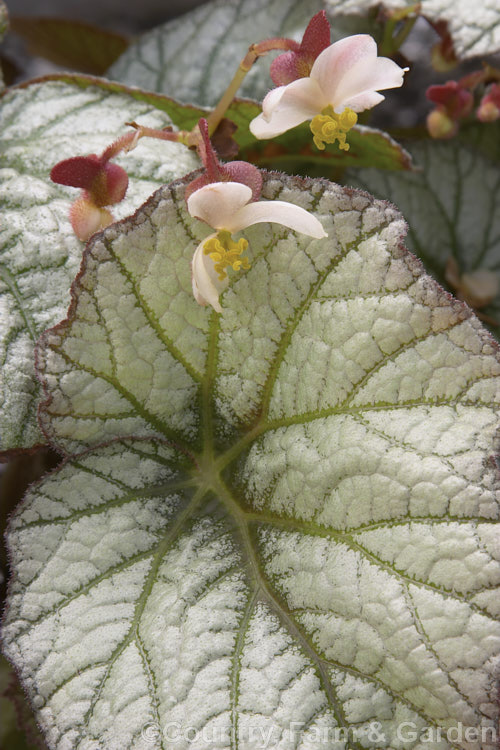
x=228, y=208
x=347, y=75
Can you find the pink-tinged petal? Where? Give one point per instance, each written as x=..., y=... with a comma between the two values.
x=361, y=102
x=298, y=102
x=271, y=101
x=338, y=59
x=279, y=212
x=366, y=78
x=205, y=281
x=217, y=203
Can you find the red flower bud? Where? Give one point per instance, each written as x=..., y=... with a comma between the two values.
x=292, y=65
x=104, y=183
x=489, y=106
x=233, y=171
x=451, y=98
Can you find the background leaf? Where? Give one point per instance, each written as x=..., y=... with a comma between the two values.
x=294, y=152
x=41, y=124
x=195, y=56
x=301, y=525
x=71, y=43
x=4, y=22
x=451, y=203
x=16, y=713
x=475, y=30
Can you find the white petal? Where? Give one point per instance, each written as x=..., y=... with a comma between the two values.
x=280, y=212
x=218, y=202
x=361, y=102
x=205, y=280
x=297, y=102
x=365, y=79
x=338, y=59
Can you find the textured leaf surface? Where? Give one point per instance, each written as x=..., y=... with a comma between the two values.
x=452, y=207
x=475, y=29
x=303, y=527
x=40, y=255
x=195, y=56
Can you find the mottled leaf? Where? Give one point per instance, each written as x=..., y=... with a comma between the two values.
x=484, y=137
x=369, y=146
x=452, y=205
x=70, y=43
x=474, y=28
x=195, y=56
x=292, y=527
x=41, y=124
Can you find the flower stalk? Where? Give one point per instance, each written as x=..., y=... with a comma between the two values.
x=254, y=52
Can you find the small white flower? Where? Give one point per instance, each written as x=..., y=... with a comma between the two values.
x=228, y=208
x=347, y=75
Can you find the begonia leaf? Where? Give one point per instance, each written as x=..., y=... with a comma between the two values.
x=474, y=29
x=40, y=124
x=279, y=527
x=71, y=43
x=194, y=57
x=452, y=205
x=170, y=59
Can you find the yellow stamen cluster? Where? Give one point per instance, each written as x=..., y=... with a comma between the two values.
x=329, y=127
x=226, y=253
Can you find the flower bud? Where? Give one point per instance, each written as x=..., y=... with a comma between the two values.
x=440, y=125
x=451, y=97
x=115, y=185
x=489, y=106
x=297, y=63
x=86, y=218
x=215, y=171
x=104, y=183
